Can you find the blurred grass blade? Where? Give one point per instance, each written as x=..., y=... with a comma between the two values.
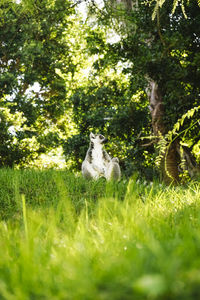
x=24, y=215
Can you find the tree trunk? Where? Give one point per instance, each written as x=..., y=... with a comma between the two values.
x=175, y=154
x=169, y=161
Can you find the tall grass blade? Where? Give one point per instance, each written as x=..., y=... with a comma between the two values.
x=24, y=216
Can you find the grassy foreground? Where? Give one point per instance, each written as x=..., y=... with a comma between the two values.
x=64, y=238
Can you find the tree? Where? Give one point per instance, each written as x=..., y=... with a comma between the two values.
x=35, y=55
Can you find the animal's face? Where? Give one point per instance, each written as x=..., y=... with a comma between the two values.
x=97, y=138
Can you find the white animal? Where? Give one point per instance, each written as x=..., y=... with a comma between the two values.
x=97, y=159
x=113, y=171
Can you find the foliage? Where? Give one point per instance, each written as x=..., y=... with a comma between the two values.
x=33, y=48
x=105, y=102
x=108, y=107
x=70, y=239
x=112, y=100
x=165, y=50
x=178, y=133
x=176, y=4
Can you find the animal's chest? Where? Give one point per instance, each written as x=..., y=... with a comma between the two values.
x=97, y=158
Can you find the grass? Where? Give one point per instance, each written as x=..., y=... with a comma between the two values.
x=62, y=237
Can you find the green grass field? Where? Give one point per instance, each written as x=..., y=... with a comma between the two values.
x=64, y=238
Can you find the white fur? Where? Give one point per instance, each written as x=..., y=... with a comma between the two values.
x=98, y=163
x=113, y=171
x=88, y=170
x=96, y=168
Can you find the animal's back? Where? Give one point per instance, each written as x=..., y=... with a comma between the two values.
x=113, y=170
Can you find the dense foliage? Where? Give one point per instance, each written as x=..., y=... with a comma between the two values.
x=165, y=50
x=32, y=94
x=110, y=107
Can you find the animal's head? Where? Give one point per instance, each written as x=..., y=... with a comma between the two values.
x=97, y=139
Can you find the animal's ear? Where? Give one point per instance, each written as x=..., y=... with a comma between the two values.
x=92, y=136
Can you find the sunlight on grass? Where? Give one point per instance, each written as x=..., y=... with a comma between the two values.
x=65, y=238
